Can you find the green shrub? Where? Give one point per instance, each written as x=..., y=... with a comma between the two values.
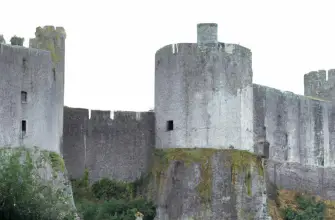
x=110, y=189
x=24, y=195
x=308, y=208
x=116, y=209
x=57, y=162
x=110, y=200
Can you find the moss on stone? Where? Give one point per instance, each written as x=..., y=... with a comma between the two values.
x=46, y=38
x=317, y=98
x=239, y=161
x=36, y=196
x=188, y=156
x=57, y=162
x=52, y=158
x=52, y=48
x=247, y=215
x=248, y=182
x=260, y=168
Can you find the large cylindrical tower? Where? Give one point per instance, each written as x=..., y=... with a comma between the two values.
x=203, y=94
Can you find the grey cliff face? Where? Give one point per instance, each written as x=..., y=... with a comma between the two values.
x=217, y=188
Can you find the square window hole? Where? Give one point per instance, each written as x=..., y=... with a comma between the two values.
x=169, y=125
x=24, y=97
x=54, y=73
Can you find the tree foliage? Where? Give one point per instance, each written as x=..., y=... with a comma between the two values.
x=24, y=195
x=110, y=200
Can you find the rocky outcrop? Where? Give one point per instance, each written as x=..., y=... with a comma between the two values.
x=38, y=184
x=207, y=184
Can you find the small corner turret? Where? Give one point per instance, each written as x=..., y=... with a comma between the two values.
x=207, y=34
x=17, y=41
x=51, y=39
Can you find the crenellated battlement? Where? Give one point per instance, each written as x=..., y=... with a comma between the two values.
x=110, y=116
x=51, y=39
x=320, y=84
x=14, y=51
x=98, y=115
x=50, y=31
x=192, y=48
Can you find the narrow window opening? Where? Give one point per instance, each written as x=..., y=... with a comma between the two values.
x=169, y=125
x=232, y=177
x=24, y=127
x=23, y=97
x=54, y=73
x=266, y=149
x=24, y=64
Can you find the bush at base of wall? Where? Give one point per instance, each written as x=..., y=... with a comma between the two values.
x=25, y=191
x=110, y=200
x=292, y=205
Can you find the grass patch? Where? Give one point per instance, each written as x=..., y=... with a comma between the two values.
x=316, y=98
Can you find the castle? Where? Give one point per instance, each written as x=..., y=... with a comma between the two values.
x=204, y=98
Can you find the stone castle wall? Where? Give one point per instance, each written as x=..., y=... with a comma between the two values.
x=303, y=178
x=298, y=128
x=118, y=148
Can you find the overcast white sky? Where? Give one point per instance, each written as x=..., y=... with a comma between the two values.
x=111, y=45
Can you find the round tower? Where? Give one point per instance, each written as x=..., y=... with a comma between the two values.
x=203, y=94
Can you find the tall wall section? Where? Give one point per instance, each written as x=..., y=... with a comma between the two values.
x=27, y=88
x=298, y=128
x=117, y=148
x=203, y=94
x=303, y=178
x=53, y=39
